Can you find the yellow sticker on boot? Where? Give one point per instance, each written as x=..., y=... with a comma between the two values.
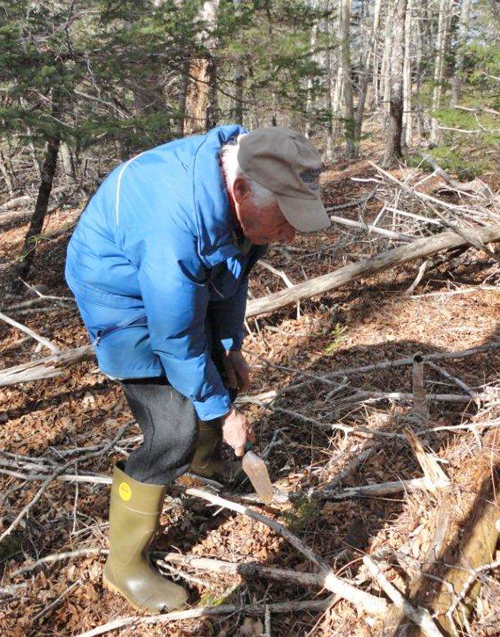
x=125, y=491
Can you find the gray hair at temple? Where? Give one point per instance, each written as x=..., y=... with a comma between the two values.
x=261, y=196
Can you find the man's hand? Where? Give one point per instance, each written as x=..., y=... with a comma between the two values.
x=236, y=430
x=237, y=371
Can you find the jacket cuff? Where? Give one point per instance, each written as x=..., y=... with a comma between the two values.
x=213, y=407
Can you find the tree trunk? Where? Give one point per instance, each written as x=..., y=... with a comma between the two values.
x=460, y=54
x=310, y=81
x=201, y=99
x=238, y=79
x=349, y=121
x=365, y=69
x=444, y=22
x=328, y=156
x=395, y=128
x=4, y=169
x=48, y=171
x=67, y=163
x=407, y=81
x=419, y=122
x=182, y=98
x=385, y=71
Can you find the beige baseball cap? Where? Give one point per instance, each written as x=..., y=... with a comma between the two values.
x=286, y=163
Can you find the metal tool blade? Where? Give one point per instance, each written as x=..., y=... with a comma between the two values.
x=256, y=470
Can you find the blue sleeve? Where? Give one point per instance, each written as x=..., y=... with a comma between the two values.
x=228, y=318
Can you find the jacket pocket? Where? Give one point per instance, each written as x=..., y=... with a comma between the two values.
x=122, y=325
x=124, y=350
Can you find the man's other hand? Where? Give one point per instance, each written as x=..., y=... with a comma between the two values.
x=237, y=371
x=236, y=430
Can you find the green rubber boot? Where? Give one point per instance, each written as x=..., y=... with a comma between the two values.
x=208, y=461
x=133, y=522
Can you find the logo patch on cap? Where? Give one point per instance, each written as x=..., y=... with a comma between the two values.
x=311, y=178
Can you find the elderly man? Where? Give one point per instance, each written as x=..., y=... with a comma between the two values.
x=159, y=266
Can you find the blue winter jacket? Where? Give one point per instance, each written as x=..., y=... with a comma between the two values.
x=157, y=271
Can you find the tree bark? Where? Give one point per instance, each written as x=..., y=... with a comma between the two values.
x=385, y=70
x=4, y=169
x=310, y=82
x=393, y=146
x=42, y=202
x=238, y=79
x=444, y=22
x=407, y=81
x=201, y=98
x=460, y=54
x=329, y=84
x=365, y=69
x=67, y=163
x=349, y=120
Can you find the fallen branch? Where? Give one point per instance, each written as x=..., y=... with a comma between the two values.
x=246, y=569
x=58, y=557
x=367, y=267
x=420, y=616
x=354, y=202
x=400, y=362
x=477, y=187
x=212, y=611
x=45, y=342
x=422, y=195
x=399, y=236
x=364, y=601
x=55, y=474
x=434, y=476
x=47, y=367
x=399, y=395
x=380, y=490
x=465, y=538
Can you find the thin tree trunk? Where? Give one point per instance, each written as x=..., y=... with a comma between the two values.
x=36, y=224
x=385, y=71
x=4, y=169
x=200, y=113
x=349, y=120
x=212, y=116
x=310, y=82
x=182, y=98
x=329, y=85
x=407, y=81
x=238, y=78
x=444, y=22
x=418, y=68
x=365, y=69
x=460, y=54
x=67, y=163
x=395, y=129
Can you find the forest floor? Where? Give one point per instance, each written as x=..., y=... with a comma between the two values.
x=455, y=307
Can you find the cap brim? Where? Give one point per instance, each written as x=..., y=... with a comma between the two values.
x=305, y=215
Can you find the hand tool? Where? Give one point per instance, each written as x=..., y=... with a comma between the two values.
x=256, y=470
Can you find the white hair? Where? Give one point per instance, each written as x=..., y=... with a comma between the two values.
x=261, y=196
